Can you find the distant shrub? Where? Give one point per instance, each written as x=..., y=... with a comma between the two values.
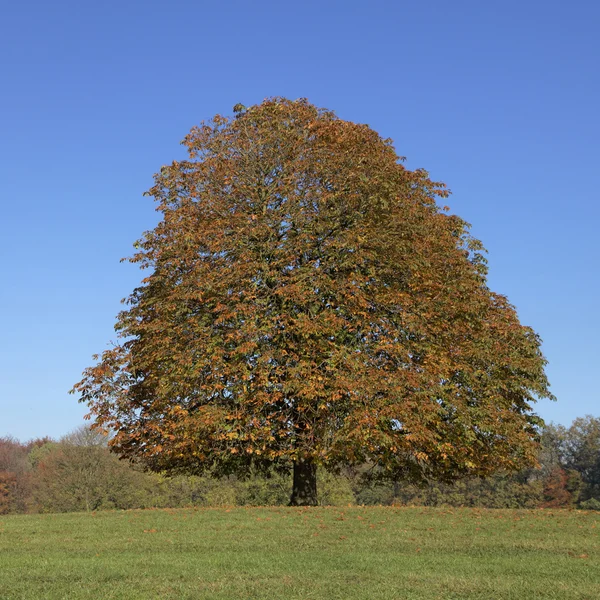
x=591, y=504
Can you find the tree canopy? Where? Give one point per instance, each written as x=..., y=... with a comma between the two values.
x=307, y=303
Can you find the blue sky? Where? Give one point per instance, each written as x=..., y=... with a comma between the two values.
x=499, y=100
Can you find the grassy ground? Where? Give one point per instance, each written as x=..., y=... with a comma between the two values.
x=317, y=553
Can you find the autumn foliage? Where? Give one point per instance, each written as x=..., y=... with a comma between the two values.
x=308, y=302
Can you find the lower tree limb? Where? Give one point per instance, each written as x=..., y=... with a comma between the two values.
x=304, y=487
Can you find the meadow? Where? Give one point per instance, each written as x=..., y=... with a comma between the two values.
x=309, y=553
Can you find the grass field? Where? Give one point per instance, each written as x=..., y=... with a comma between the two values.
x=316, y=553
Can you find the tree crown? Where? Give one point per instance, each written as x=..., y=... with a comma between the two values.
x=309, y=300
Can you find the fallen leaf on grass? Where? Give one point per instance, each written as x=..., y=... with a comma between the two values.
x=573, y=555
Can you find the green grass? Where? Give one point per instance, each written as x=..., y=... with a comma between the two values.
x=316, y=553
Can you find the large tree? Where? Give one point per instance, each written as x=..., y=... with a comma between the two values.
x=307, y=304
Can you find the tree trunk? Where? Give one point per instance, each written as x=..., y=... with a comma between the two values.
x=304, y=488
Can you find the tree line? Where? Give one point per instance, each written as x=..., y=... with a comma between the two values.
x=80, y=473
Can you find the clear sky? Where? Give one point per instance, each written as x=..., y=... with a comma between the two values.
x=498, y=99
